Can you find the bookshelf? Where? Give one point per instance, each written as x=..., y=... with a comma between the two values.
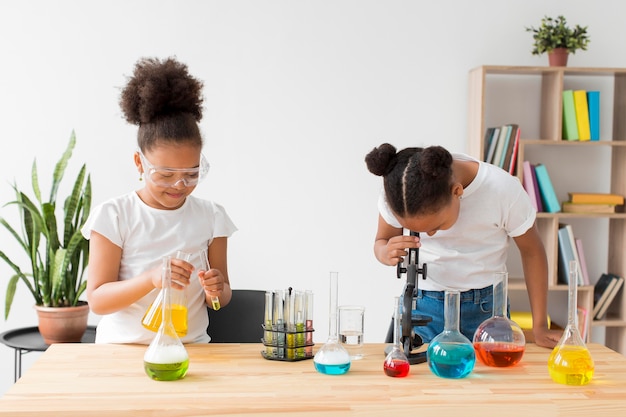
x=532, y=98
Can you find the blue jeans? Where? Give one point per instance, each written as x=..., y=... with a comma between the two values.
x=476, y=307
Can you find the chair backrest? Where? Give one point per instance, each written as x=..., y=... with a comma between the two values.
x=240, y=321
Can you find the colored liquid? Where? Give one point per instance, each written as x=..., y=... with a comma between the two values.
x=166, y=371
x=332, y=359
x=571, y=365
x=179, y=319
x=397, y=368
x=499, y=354
x=339, y=369
x=451, y=360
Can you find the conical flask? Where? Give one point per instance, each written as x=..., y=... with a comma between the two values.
x=450, y=354
x=152, y=318
x=499, y=341
x=570, y=362
x=332, y=358
x=396, y=363
x=166, y=358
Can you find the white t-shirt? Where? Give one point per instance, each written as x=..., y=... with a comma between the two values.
x=494, y=207
x=145, y=235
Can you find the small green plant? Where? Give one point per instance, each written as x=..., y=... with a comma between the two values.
x=554, y=33
x=57, y=260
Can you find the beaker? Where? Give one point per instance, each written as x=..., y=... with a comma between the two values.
x=396, y=363
x=570, y=362
x=450, y=354
x=332, y=358
x=166, y=358
x=152, y=318
x=499, y=341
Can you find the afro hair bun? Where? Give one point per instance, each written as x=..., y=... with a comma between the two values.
x=381, y=160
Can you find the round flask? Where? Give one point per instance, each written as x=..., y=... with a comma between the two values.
x=396, y=363
x=570, y=362
x=450, y=354
x=332, y=358
x=499, y=341
x=166, y=358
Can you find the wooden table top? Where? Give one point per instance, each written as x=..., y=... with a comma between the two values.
x=233, y=379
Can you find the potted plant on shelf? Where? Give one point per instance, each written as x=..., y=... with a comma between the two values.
x=558, y=40
x=57, y=260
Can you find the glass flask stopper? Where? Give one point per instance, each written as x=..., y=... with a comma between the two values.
x=396, y=363
x=166, y=358
x=570, y=362
x=499, y=341
x=332, y=358
x=450, y=354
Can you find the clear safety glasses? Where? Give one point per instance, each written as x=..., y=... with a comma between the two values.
x=171, y=177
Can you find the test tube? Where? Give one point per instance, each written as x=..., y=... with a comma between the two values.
x=267, y=324
x=308, y=301
x=279, y=324
x=291, y=323
x=300, y=325
x=204, y=258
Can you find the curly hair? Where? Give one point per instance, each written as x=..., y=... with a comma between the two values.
x=416, y=180
x=164, y=100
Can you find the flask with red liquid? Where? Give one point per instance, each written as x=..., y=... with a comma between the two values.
x=396, y=363
x=499, y=341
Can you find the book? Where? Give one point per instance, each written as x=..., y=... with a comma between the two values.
x=546, y=190
x=524, y=319
x=569, y=207
x=582, y=115
x=570, y=127
x=511, y=151
x=567, y=253
x=502, y=141
x=572, y=242
x=493, y=144
x=612, y=293
x=601, y=291
x=596, y=198
x=537, y=193
x=529, y=184
x=593, y=102
x=487, y=142
x=583, y=262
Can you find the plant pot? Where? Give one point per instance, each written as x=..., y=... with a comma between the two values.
x=558, y=57
x=63, y=324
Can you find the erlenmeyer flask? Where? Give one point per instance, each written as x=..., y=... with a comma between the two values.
x=499, y=341
x=570, y=362
x=332, y=358
x=450, y=354
x=166, y=358
x=396, y=363
x=152, y=318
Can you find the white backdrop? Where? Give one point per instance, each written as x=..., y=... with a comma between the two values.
x=297, y=92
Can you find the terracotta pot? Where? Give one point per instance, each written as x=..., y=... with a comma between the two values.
x=63, y=324
x=558, y=57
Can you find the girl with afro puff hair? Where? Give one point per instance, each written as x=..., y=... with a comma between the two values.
x=466, y=211
x=128, y=235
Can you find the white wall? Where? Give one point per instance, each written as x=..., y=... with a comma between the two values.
x=297, y=92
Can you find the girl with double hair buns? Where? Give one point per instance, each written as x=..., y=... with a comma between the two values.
x=128, y=235
x=466, y=211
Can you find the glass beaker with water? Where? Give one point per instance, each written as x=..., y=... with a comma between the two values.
x=396, y=363
x=166, y=358
x=332, y=358
x=570, y=362
x=178, y=301
x=499, y=341
x=450, y=354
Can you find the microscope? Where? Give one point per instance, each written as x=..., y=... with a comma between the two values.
x=410, y=340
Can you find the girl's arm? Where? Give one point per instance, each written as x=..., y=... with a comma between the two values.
x=535, y=265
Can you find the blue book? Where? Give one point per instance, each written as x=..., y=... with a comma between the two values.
x=566, y=254
x=546, y=190
x=593, y=101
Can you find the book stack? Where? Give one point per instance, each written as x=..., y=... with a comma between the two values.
x=581, y=115
x=501, y=146
x=604, y=292
x=538, y=185
x=593, y=203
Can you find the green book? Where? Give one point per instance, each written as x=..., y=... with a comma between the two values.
x=570, y=126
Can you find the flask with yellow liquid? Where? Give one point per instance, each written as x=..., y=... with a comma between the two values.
x=570, y=362
x=178, y=302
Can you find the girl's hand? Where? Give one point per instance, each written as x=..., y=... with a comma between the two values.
x=212, y=281
x=181, y=274
x=546, y=337
x=396, y=249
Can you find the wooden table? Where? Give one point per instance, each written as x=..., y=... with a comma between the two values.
x=233, y=379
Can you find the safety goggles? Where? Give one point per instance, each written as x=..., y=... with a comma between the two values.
x=170, y=177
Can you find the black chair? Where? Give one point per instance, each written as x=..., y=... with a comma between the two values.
x=240, y=321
